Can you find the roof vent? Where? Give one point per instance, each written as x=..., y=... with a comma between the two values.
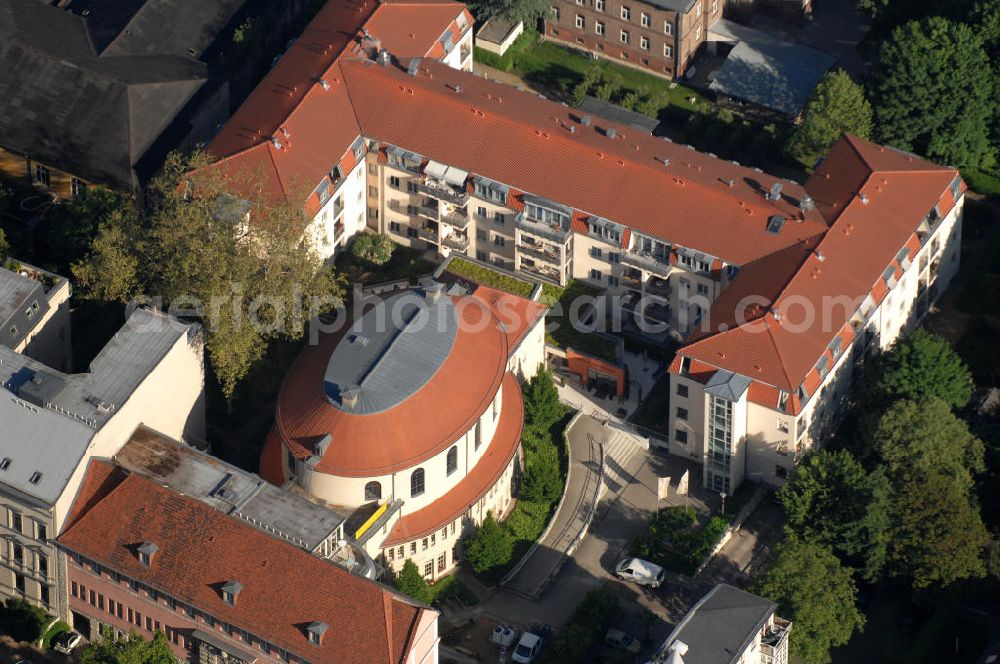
x=325, y=84
x=730, y=183
x=775, y=223
x=775, y=193
x=775, y=313
x=383, y=57
x=230, y=590
x=585, y=121
x=359, y=339
x=145, y=552
x=806, y=203
x=276, y=143
x=572, y=129
x=610, y=132
x=666, y=161
x=413, y=67
x=864, y=199
x=819, y=255
x=456, y=87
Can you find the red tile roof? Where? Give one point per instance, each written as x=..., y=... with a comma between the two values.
x=416, y=429
x=862, y=242
x=473, y=486
x=200, y=548
x=623, y=179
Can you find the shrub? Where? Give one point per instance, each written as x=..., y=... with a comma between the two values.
x=490, y=547
x=374, y=248
x=410, y=582
x=583, y=632
x=527, y=520
x=21, y=620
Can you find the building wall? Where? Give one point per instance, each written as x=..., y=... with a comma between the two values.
x=343, y=216
x=501, y=47
x=529, y=355
x=461, y=54
x=49, y=341
x=37, y=576
x=23, y=169
x=424, y=649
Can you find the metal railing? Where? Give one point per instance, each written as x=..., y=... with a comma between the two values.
x=649, y=262
x=444, y=193
x=534, y=250
x=554, y=233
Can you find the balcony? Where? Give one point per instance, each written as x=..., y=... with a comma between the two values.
x=428, y=233
x=458, y=242
x=540, y=251
x=338, y=230
x=543, y=271
x=428, y=209
x=456, y=218
x=774, y=642
x=444, y=193
x=657, y=286
x=654, y=263
x=630, y=280
x=537, y=228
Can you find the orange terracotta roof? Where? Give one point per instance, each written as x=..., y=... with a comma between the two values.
x=623, y=179
x=200, y=548
x=419, y=427
x=517, y=315
x=832, y=281
x=473, y=486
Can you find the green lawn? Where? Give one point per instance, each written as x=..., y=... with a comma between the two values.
x=482, y=274
x=404, y=264
x=564, y=334
x=450, y=587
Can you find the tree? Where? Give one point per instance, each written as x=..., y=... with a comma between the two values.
x=131, y=649
x=541, y=401
x=490, y=547
x=816, y=592
x=410, y=582
x=72, y=226
x=838, y=105
x=832, y=500
x=542, y=481
x=938, y=535
x=374, y=248
x=933, y=92
x=241, y=267
x=21, y=620
x=4, y=246
x=528, y=11
x=925, y=437
x=918, y=366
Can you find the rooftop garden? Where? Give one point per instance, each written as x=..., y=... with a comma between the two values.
x=564, y=334
x=405, y=263
x=483, y=274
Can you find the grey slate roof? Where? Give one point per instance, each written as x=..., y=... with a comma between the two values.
x=776, y=75
x=50, y=433
x=682, y=6
x=228, y=489
x=609, y=111
x=496, y=30
x=727, y=385
x=721, y=625
x=391, y=352
x=96, y=114
x=18, y=295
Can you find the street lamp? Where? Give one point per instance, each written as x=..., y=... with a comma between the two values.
x=724, y=495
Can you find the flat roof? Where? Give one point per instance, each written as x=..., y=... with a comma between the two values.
x=720, y=626
x=17, y=292
x=496, y=30
x=228, y=489
x=615, y=113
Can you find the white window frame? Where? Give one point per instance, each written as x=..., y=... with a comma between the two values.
x=623, y=36
x=668, y=51
x=581, y=22
x=599, y=28
x=599, y=5
x=626, y=13
x=645, y=20
x=644, y=42
x=668, y=28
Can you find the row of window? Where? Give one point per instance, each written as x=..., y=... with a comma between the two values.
x=43, y=590
x=645, y=20
x=123, y=612
x=15, y=521
x=623, y=36
x=394, y=553
x=43, y=176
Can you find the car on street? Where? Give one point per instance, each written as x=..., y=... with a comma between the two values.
x=620, y=639
x=531, y=644
x=66, y=642
x=639, y=571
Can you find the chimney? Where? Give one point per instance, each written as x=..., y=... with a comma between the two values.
x=775, y=313
x=775, y=193
x=819, y=255
x=324, y=83
x=434, y=292
x=585, y=121
x=349, y=397
x=383, y=57
x=806, y=203
x=864, y=199
x=610, y=132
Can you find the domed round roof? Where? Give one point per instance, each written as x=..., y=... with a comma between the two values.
x=397, y=386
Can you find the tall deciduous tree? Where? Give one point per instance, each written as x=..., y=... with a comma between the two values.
x=933, y=92
x=410, y=582
x=131, y=649
x=838, y=105
x=241, y=267
x=918, y=366
x=938, y=536
x=831, y=499
x=490, y=547
x=816, y=592
x=375, y=248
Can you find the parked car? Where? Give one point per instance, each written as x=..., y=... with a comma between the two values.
x=639, y=571
x=66, y=642
x=620, y=639
x=531, y=644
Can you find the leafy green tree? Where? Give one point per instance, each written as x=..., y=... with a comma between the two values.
x=242, y=268
x=73, y=225
x=21, y=620
x=933, y=92
x=838, y=105
x=410, y=582
x=490, y=547
x=938, y=536
x=131, y=649
x=541, y=401
x=542, y=481
x=926, y=437
x=4, y=246
x=918, y=366
x=577, y=641
x=374, y=248
x=816, y=592
x=528, y=11
x=831, y=499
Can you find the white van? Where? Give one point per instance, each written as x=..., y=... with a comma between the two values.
x=639, y=571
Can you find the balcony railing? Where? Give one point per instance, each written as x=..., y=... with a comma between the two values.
x=428, y=209
x=554, y=233
x=539, y=251
x=774, y=642
x=658, y=286
x=444, y=193
x=456, y=218
x=656, y=264
x=543, y=271
x=460, y=242
x=429, y=234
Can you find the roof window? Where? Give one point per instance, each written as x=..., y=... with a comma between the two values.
x=35, y=478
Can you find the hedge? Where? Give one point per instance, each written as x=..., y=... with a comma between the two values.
x=486, y=276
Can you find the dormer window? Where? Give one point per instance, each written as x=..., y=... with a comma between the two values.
x=145, y=552
x=230, y=590
x=316, y=630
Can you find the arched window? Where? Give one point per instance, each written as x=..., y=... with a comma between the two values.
x=452, y=460
x=417, y=483
x=373, y=491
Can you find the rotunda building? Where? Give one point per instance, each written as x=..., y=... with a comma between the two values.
x=411, y=413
